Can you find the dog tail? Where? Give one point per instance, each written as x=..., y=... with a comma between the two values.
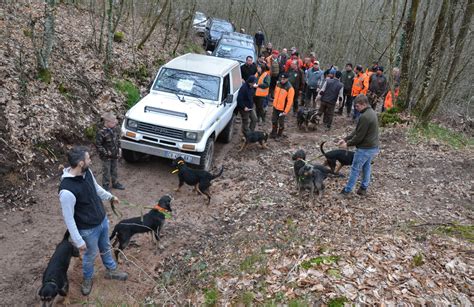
x=218, y=174
x=321, y=147
x=66, y=235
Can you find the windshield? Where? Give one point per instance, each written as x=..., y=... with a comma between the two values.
x=233, y=52
x=221, y=27
x=187, y=83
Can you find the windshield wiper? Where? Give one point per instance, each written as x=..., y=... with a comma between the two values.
x=180, y=98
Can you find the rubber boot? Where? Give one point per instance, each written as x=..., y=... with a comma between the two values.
x=280, y=132
x=273, y=134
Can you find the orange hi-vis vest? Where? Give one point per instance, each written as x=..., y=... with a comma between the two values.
x=262, y=92
x=358, y=85
x=283, y=97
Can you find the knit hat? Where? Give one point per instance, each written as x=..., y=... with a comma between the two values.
x=251, y=79
x=380, y=68
x=332, y=71
x=275, y=52
x=110, y=116
x=316, y=62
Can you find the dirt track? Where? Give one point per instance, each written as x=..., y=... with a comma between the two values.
x=252, y=202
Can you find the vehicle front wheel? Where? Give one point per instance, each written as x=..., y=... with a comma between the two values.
x=131, y=156
x=207, y=155
x=228, y=132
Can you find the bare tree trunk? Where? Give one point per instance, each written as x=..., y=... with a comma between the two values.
x=119, y=16
x=169, y=25
x=427, y=103
x=153, y=26
x=110, y=37
x=405, y=75
x=44, y=51
x=101, y=40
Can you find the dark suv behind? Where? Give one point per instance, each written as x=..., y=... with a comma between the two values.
x=214, y=29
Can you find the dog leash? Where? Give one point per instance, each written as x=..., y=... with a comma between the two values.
x=114, y=210
x=165, y=212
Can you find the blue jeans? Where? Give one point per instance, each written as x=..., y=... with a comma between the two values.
x=362, y=159
x=97, y=239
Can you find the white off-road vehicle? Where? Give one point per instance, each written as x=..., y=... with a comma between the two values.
x=190, y=105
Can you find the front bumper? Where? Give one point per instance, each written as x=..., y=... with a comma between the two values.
x=159, y=151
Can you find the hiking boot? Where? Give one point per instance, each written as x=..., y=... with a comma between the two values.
x=86, y=286
x=118, y=186
x=115, y=274
x=344, y=194
x=361, y=191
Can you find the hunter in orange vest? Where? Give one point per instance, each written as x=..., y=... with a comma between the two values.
x=262, y=91
x=282, y=103
x=359, y=86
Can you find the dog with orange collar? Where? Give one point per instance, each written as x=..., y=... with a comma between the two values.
x=153, y=222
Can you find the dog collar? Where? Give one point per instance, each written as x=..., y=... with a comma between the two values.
x=165, y=212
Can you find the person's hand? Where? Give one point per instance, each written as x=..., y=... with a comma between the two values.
x=255, y=85
x=246, y=109
x=283, y=114
x=342, y=144
x=82, y=250
x=114, y=200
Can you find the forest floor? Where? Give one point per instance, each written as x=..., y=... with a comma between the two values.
x=257, y=242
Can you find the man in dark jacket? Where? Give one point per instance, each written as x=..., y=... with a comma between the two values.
x=378, y=87
x=85, y=218
x=259, y=41
x=347, y=79
x=107, y=141
x=245, y=104
x=330, y=93
x=365, y=138
x=248, y=69
x=296, y=79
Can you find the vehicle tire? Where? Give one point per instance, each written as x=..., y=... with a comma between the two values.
x=207, y=155
x=228, y=132
x=131, y=156
x=208, y=46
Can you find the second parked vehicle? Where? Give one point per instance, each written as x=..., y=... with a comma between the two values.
x=214, y=29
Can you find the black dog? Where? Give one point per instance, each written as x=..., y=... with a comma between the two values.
x=311, y=178
x=200, y=179
x=254, y=137
x=152, y=221
x=299, y=157
x=55, y=276
x=344, y=157
x=306, y=116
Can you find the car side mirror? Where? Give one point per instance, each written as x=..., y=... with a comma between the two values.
x=228, y=99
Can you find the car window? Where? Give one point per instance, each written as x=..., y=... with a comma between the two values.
x=233, y=52
x=188, y=83
x=221, y=26
x=236, y=79
x=226, y=87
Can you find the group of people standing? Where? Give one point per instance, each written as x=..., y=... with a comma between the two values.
x=290, y=81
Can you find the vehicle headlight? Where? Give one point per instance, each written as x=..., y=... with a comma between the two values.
x=192, y=135
x=132, y=124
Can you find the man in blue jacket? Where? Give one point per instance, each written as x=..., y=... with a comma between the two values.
x=245, y=104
